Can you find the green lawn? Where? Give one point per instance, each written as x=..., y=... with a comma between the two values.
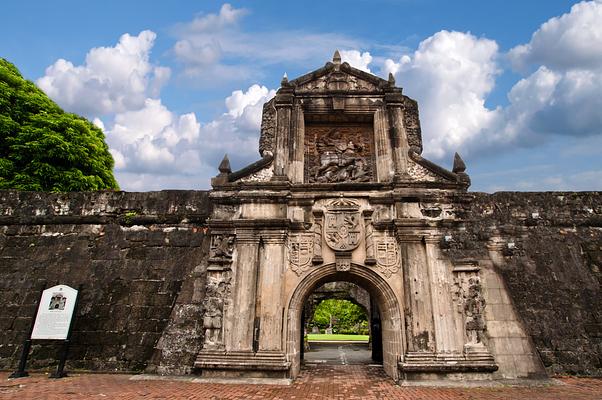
x=317, y=337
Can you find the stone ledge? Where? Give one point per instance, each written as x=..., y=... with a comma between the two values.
x=438, y=367
x=209, y=359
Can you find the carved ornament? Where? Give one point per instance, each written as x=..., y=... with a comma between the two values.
x=342, y=225
x=221, y=248
x=338, y=154
x=388, y=258
x=301, y=251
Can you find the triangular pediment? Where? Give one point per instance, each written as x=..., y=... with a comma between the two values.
x=339, y=77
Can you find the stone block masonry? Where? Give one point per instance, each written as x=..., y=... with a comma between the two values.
x=138, y=256
x=142, y=258
x=547, y=247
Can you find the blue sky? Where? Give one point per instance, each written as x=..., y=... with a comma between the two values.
x=513, y=86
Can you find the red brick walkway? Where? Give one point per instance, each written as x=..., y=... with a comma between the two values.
x=323, y=382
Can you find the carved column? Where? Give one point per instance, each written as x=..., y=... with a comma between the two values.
x=398, y=134
x=369, y=229
x=384, y=166
x=240, y=334
x=284, y=103
x=297, y=146
x=443, y=313
x=272, y=266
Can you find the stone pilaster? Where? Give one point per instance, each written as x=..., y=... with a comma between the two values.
x=270, y=295
x=240, y=333
x=284, y=104
x=398, y=136
x=448, y=345
x=297, y=150
x=384, y=164
x=420, y=325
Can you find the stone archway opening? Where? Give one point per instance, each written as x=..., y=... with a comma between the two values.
x=338, y=322
x=386, y=324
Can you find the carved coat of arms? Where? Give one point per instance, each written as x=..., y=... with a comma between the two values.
x=301, y=251
x=387, y=256
x=342, y=225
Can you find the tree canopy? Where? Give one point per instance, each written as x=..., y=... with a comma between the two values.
x=345, y=314
x=43, y=148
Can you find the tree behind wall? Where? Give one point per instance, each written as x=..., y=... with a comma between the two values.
x=43, y=148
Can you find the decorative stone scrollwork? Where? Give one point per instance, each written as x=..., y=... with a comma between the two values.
x=342, y=228
x=217, y=293
x=268, y=129
x=343, y=261
x=474, y=307
x=317, y=230
x=300, y=251
x=470, y=301
x=221, y=248
x=369, y=229
x=388, y=259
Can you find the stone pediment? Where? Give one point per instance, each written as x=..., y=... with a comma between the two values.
x=337, y=76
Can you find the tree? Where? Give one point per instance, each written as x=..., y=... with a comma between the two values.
x=345, y=312
x=43, y=148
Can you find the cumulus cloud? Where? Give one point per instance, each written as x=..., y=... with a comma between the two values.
x=152, y=138
x=562, y=96
x=236, y=132
x=357, y=59
x=153, y=143
x=573, y=40
x=450, y=74
x=112, y=79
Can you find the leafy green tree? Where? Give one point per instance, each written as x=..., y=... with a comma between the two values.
x=345, y=314
x=43, y=148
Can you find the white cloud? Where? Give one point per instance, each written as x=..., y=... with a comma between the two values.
x=149, y=139
x=357, y=59
x=152, y=143
x=450, y=74
x=573, y=40
x=112, y=79
x=563, y=95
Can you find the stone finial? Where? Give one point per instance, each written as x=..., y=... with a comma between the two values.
x=391, y=79
x=224, y=166
x=336, y=58
x=284, y=81
x=459, y=165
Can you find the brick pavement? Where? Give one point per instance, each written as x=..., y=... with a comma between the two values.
x=322, y=382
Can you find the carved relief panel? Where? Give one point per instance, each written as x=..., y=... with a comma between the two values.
x=339, y=153
x=217, y=289
x=470, y=301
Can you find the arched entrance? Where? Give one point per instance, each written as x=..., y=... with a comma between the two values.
x=380, y=291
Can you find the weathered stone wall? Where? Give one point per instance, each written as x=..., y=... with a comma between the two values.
x=548, y=248
x=138, y=257
x=142, y=260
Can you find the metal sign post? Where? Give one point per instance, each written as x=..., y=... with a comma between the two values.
x=53, y=320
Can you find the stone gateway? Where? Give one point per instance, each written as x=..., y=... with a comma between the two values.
x=223, y=283
x=343, y=194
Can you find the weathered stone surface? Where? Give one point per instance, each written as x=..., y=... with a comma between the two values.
x=135, y=254
x=550, y=254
